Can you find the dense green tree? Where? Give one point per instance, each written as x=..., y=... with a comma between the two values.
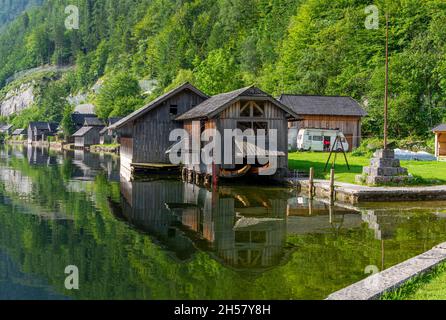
x=218, y=73
x=119, y=96
x=67, y=123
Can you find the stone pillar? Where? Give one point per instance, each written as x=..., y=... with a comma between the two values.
x=384, y=169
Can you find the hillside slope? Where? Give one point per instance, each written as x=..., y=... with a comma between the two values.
x=10, y=9
x=292, y=46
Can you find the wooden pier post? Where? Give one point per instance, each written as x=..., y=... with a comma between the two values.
x=332, y=186
x=311, y=184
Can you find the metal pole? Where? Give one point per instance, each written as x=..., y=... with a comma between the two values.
x=311, y=184
x=332, y=186
x=386, y=94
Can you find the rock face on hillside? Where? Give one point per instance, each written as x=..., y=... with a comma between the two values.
x=17, y=100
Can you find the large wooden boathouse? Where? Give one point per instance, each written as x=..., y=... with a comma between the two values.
x=144, y=134
x=246, y=108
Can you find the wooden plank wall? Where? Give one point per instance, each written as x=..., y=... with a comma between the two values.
x=442, y=144
x=126, y=153
x=79, y=142
x=350, y=126
x=151, y=132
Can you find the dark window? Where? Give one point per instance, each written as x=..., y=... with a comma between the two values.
x=245, y=125
x=252, y=109
x=173, y=110
x=258, y=109
x=258, y=237
x=260, y=126
x=245, y=111
x=242, y=236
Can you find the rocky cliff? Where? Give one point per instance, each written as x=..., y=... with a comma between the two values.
x=18, y=99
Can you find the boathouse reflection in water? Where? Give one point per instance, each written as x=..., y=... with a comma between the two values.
x=245, y=228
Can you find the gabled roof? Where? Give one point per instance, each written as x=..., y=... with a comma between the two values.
x=440, y=128
x=5, y=127
x=37, y=125
x=79, y=118
x=323, y=105
x=93, y=122
x=82, y=131
x=214, y=105
x=155, y=103
x=18, y=132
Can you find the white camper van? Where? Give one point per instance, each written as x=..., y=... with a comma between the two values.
x=320, y=140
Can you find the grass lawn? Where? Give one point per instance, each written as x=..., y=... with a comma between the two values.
x=430, y=286
x=428, y=173
x=433, y=290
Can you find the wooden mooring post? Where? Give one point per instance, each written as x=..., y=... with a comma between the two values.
x=332, y=186
x=311, y=184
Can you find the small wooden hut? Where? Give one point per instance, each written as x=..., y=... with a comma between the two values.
x=440, y=141
x=40, y=131
x=89, y=134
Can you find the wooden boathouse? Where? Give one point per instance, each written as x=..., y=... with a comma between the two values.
x=325, y=112
x=40, y=131
x=246, y=108
x=89, y=134
x=144, y=134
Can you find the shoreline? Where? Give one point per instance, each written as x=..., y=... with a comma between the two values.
x=353, y=194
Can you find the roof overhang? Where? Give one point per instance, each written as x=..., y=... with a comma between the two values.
x=155, y=104
x=277, y=103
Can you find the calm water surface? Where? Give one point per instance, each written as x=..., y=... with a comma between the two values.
x=165, y=239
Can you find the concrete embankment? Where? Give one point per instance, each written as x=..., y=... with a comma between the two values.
x=350, y=193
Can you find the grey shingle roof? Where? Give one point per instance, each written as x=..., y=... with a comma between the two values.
x=213, y=105
x=82, y=131
x=441, y=127
x=50, y=126
x=18, y=132
x=79, y=118
x=93, y=122
x=155, y=103
x=323, y=105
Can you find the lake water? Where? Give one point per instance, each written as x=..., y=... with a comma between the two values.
x=166, y=239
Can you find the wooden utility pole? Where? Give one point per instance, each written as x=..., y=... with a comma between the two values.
x=386, y=94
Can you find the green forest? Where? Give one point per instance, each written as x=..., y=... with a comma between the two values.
x=283, y=46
